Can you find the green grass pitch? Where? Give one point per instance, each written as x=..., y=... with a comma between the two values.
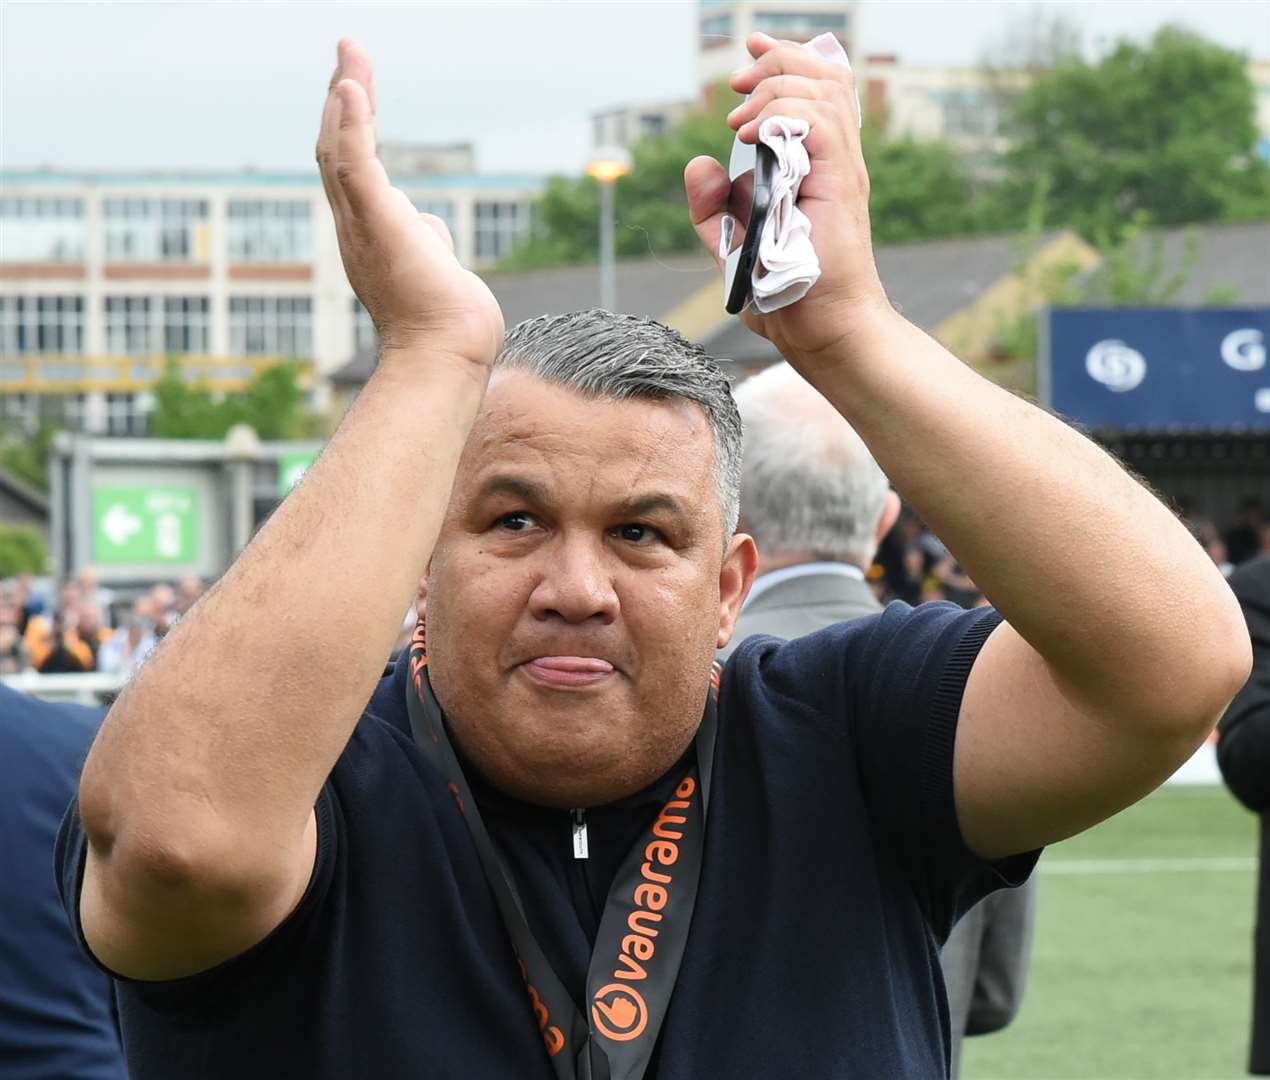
x=1142, y=963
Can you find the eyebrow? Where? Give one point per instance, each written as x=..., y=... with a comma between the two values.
x=518, y=487
x=536, y=494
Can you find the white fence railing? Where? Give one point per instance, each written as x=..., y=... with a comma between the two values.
x=82, y=688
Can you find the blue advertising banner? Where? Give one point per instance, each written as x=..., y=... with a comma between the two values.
x=1159, y=368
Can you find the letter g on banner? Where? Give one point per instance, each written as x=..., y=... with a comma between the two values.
x=1244, y=350
x=619, y=1012
x=1116, y=365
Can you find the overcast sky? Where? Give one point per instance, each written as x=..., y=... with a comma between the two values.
x=114, y=85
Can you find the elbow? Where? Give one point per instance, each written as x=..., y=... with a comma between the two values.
x=1217, y=672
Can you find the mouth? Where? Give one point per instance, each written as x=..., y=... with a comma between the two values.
x=567, y=671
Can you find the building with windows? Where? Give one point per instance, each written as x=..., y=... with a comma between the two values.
x=104, y=276
x=723, y=26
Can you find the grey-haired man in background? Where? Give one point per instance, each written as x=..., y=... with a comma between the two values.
x=818, y=505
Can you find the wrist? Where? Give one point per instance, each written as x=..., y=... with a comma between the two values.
x=851, y=330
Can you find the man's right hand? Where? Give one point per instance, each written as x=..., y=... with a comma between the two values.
x=400, y=262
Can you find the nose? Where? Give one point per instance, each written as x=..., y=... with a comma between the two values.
x=576, y=584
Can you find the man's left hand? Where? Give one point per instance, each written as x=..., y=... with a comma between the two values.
x=788, y=80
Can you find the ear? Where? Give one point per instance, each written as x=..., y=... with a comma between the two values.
x=740, y=564
x=890, y=514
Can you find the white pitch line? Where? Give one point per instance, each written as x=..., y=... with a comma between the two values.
x=1230, y=865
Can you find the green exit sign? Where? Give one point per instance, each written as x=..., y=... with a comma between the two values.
x=146, y=525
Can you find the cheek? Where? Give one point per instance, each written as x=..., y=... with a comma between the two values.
x=474, y=598
x=673, y=616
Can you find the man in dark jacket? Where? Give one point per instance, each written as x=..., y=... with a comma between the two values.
x=1243, y=752
x=56, y=1017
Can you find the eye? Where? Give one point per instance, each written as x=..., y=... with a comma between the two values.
x=638, y=534
x=517, y=521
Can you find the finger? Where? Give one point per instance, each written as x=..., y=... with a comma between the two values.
x=355, y=64
x=759, y=43
x=327, y=144
x=707, y=185
x=778, y=86
x=358, y=171
x=828, y=126
x=784, y=59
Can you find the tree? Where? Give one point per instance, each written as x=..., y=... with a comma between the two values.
x=273, y=405
x=651, y=207
x=918, y=190
x=22, y=550
x=1167, y=129
x=26, y=455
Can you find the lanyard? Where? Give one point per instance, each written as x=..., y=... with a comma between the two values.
x=644, y=926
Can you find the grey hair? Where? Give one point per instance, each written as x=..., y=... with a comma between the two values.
x=810, y=483
x=608, y=355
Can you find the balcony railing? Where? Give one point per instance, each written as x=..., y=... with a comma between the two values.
x=73, y=373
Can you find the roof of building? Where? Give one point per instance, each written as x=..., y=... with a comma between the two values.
x=36, y=502
x=649, y=287
x=1229, y=259
x=928, y=282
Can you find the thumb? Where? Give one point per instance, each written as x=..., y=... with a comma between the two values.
x=707, y=185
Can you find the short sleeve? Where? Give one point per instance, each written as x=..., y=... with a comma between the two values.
x=70, y=854
x=896, y=680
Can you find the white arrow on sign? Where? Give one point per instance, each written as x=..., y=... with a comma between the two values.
x=118, y=524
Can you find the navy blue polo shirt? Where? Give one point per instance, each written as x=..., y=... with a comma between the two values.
x=833, y=868
x=56, y=1015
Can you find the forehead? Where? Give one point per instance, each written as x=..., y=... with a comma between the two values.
x=562, y=435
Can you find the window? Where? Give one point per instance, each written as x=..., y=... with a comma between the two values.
x=270, y=231
x=21, y=411
x=970, y=112
x=270, y=326
x=131, y=326
x=41, y=324
x=156, y=230
x=364, y=336
x=800, y=22
x=442, y=208
x=652, y=124
x=41, y=230
x=185, y=324
x=716, y=26
x=499, y=225
x=127, y=414
x=75, y=411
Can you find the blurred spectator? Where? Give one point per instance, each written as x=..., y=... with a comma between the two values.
x=188, y=590
x=61, y=656
x=164, y=612
x=1207, y=536
x=90, y=632
x=1244, y=539
x=92, y=594
x=1243, y=752
x=57, y=1016
x=127, y=647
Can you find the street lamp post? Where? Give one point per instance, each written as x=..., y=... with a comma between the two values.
x=608, y=166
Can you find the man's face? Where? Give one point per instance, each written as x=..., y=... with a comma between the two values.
x=578, y=590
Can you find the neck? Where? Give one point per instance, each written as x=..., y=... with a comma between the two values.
x=779, y=561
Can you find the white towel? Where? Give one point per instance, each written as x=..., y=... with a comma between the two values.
x=787, y=266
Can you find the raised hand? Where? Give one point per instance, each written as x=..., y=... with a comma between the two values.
x=788, y=80
x=400, y=262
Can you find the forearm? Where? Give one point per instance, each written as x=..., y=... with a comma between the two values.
x=229, y=731
x=1088, y=566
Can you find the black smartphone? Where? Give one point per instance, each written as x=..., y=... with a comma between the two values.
x=752, y=168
